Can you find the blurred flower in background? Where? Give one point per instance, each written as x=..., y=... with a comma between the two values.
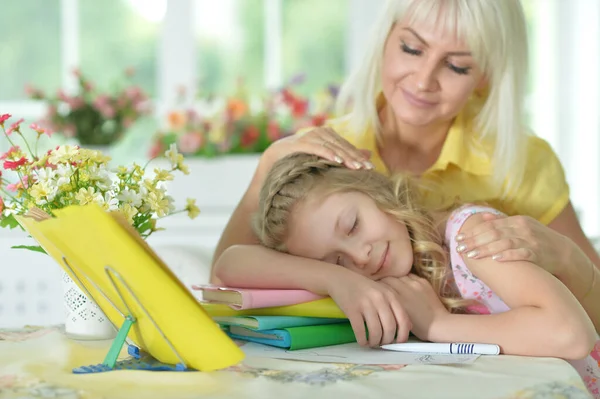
x=90, y=116
x=242, y=124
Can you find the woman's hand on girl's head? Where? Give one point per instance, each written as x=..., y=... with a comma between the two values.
x=365, y=301
x=321, y=141
x=513, y=238
x=420, y=301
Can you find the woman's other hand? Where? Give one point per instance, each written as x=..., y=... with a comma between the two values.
x=424, y=307
x=514, y=238
x=372, y=303
x=321, y=141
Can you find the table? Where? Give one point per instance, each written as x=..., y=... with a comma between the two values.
x=36, y=362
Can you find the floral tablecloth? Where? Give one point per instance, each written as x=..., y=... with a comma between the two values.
x=36, y=362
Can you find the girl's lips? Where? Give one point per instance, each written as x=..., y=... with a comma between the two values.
x=384, y=258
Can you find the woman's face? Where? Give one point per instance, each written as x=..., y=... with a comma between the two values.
x=349, y=229
x=427, y=74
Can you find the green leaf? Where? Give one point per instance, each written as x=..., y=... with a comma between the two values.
x=34, y=248
x=9, y=221
x=145, y=226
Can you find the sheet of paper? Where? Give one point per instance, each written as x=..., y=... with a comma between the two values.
x=353, y=353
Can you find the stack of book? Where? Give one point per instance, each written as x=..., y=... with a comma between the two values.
x=290, y=319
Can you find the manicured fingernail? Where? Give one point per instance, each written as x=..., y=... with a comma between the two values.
x=460, y=237
x=472, y=254
x=461, y=248
x=357, y=165
x=497, y=256
x=338, y=159
x=369, y=165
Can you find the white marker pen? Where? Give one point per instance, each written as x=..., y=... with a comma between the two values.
x=453, y=348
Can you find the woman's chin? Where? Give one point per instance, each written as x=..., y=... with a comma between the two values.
x=413, y=118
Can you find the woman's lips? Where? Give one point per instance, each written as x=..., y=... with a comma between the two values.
x=416, y=101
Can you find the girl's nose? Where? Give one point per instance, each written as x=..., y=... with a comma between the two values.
x=361, y=255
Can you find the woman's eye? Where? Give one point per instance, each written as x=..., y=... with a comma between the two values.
x=458, y=70
x=410, y=50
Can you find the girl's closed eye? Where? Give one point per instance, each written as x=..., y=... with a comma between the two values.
x=354, y=226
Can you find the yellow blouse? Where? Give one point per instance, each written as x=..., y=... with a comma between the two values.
x=464, y=174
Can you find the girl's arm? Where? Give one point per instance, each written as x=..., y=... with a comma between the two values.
x=239, y=228
x=368, y=305
x=255, y=266
x=545, y=318
x=561, y=248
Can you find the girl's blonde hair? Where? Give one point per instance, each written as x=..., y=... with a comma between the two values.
x=496, y=33
x=295, y=177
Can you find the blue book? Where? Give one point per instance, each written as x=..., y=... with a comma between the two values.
x=293, y=338
x=273, y=322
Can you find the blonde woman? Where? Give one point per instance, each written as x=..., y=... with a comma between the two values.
x=369, y=230
x=440, y=96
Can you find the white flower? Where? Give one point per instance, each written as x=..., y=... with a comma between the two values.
x=46, y=175
x=63, y=174
x=171, y=203
x=43, y=192
x=130, y=197
x=111, y=203
x=173, y=156
x=101, y=177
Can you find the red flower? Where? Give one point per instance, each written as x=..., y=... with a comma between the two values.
x=273, y=131
x=299, y=108
x=319, y=120
x=155, y=150
x=288, y=97
x=14, y=126
x=9, y=152
x=249, y=136
x=4, y=118
x=40, y=130
x=12, y=165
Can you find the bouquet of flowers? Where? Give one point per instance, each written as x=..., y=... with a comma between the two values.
x=90, y=116
x=233, y=127
x=70, y=175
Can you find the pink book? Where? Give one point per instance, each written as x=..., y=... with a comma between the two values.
x=254, y=298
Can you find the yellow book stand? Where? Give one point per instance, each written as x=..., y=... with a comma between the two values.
x=139, y=294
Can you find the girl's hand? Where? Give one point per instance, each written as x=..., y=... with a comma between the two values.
x=514, y=238
x=420, y=301
x=321, y=141
x=367, y=301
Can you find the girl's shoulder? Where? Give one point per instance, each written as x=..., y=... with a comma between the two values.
x=459, y=216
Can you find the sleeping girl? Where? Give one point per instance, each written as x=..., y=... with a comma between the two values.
x=394, y=266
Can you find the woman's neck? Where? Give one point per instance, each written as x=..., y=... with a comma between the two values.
x=406, y=148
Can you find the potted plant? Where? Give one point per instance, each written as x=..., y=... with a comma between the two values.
x=70, y=175
x=92, y=117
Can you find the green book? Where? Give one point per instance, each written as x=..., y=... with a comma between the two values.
x=294, y=338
